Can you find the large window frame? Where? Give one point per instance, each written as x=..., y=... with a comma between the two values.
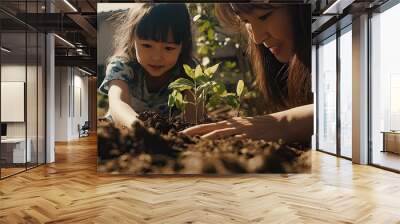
x=337, y=35
x=381, y=9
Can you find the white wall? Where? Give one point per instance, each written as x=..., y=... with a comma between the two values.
x=70, y=83
x=61, y=103
x=12, y=73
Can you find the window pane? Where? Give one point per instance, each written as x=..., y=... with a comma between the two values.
x=385, y=84
x=345, y=94
x=327, y=96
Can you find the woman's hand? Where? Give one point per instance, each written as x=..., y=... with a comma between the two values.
x=291, y=125
x=264, y=127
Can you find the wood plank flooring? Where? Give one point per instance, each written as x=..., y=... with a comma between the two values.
x=70, y=191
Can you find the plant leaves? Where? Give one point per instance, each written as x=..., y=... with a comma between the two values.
x=181, y=84
x=196, y=17
x=201, y=80
x=214, y=101
x=232, y=101
x=219, y=88
x=198, y=71
x=230, y=64
x=210, y=34
x=171, y=100
x=211, y=70
x=188, y=71
x=179, y=100
x=239, y=88
x=225, y=94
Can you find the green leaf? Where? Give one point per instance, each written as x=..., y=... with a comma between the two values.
x=226, y=94
x=219, y=88
x=188, y=71
x=232, y=101
x=211, y=70
x=181, y=84
x=230, y=64
x=196, y=17
x=239, y=88
x=202, y=50
x=204, y=26
x=200, y=80
x=210, y=34
x=171, y=100
x=179, y=101
x=204, y=86
x=214, y=101
x=198, y=71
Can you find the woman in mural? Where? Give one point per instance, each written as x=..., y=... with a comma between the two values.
x=152, y=43
x=279, y=49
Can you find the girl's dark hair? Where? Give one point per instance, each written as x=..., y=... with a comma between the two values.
x=153, y=21
x=296, y=88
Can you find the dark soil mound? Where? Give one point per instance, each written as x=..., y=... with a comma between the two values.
x=157, y=147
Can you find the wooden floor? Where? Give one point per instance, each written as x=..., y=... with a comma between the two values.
x=10, y=171
x=387, y=159
x=70, y=191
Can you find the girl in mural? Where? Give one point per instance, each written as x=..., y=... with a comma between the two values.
x=279, y=48
x=151, y=45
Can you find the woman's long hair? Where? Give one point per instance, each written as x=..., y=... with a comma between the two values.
x=297, y=89
x=153, y=21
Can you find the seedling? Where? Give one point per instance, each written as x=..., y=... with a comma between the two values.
x=199, y=84
x=239, y=93
x=234, y=99
x=204, y=89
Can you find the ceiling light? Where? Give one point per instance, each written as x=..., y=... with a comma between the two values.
x=5, y=50
x=84, y=71
x=337, y=7
x=65, y=41
x=70, y=5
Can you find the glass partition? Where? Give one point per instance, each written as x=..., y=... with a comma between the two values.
x=22, y=90
x=326, y=104
x=13, y=92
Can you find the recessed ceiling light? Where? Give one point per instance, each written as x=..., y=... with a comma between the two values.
x=5, y=50
x=70, y=5
x=84, y=71
x=64, y=40
x=337, y=7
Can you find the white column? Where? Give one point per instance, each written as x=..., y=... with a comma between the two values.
x=50, y=93
x=360, y=90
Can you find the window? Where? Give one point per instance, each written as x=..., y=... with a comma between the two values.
x=326, y=104
x=385, y=85
x=346, y=92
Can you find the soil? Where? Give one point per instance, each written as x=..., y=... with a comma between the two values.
x=157, y=147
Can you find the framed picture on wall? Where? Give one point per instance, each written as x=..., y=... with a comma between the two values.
x=175, y=86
